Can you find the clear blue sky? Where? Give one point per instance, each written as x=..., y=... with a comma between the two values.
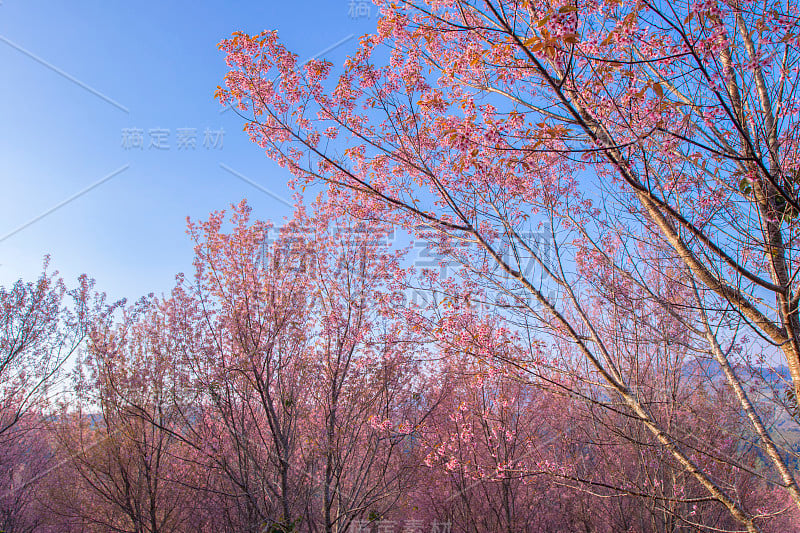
x=69, y=68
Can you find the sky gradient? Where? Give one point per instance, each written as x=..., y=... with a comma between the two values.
x=109, y=116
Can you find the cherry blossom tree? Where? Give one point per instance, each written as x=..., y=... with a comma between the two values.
x=299, y=366
x=654, y=142
x=42, y=324
x=25, y=461
x=121, y=467
x=363, y=357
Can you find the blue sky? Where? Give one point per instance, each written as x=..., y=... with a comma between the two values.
x=80, y=78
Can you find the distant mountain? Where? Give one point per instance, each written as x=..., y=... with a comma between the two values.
x=709, y=368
